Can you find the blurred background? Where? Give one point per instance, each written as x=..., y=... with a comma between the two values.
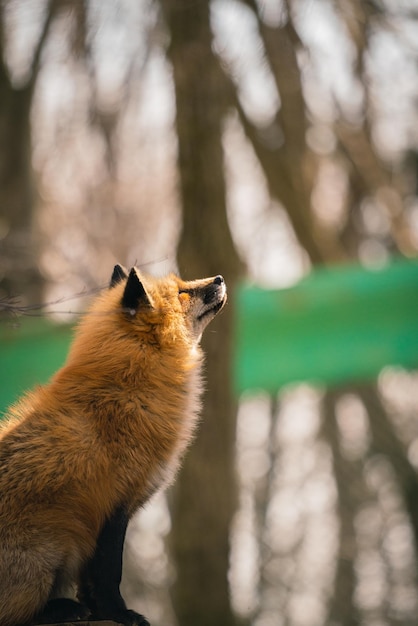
x=259, y=139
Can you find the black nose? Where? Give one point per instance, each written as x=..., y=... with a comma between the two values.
x=218, y=280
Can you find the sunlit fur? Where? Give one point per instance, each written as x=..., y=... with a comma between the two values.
x=108, y=430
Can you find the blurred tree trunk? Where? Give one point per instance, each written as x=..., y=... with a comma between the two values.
x=17, y=190
x=348, y=479
x=16, y=193
x=205, y=495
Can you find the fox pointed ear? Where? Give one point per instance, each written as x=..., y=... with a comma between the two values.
x=135, y=295
x=119, y=273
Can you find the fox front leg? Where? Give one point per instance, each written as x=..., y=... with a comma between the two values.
x=100, y=581
x=61, y=610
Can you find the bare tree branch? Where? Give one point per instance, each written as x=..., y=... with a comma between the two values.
x=52, y=10
x=286, y=182
x=286, y=163
x=376, y=181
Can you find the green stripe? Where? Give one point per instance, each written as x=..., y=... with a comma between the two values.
x=336, y=325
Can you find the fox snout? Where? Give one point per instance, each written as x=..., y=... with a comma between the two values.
x=207, y=297
x=213, y=297
x=215, y=290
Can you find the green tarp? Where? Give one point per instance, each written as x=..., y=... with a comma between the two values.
x=30, y=352
x=336, y=325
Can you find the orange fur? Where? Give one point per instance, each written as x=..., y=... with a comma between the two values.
x=109, y=429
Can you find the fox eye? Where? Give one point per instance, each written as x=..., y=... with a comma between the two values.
x=184, y=297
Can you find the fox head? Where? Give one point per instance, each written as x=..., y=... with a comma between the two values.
x=156, y=300
x=141, y=319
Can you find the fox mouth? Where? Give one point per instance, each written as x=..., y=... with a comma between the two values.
x=213, y=310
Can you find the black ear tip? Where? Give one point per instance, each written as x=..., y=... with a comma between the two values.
x=119, y=273
x=135, y=294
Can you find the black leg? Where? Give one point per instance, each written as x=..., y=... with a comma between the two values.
x=100, y=580
x=61, y=610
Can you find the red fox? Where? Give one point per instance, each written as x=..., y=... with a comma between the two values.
x=81, y=454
